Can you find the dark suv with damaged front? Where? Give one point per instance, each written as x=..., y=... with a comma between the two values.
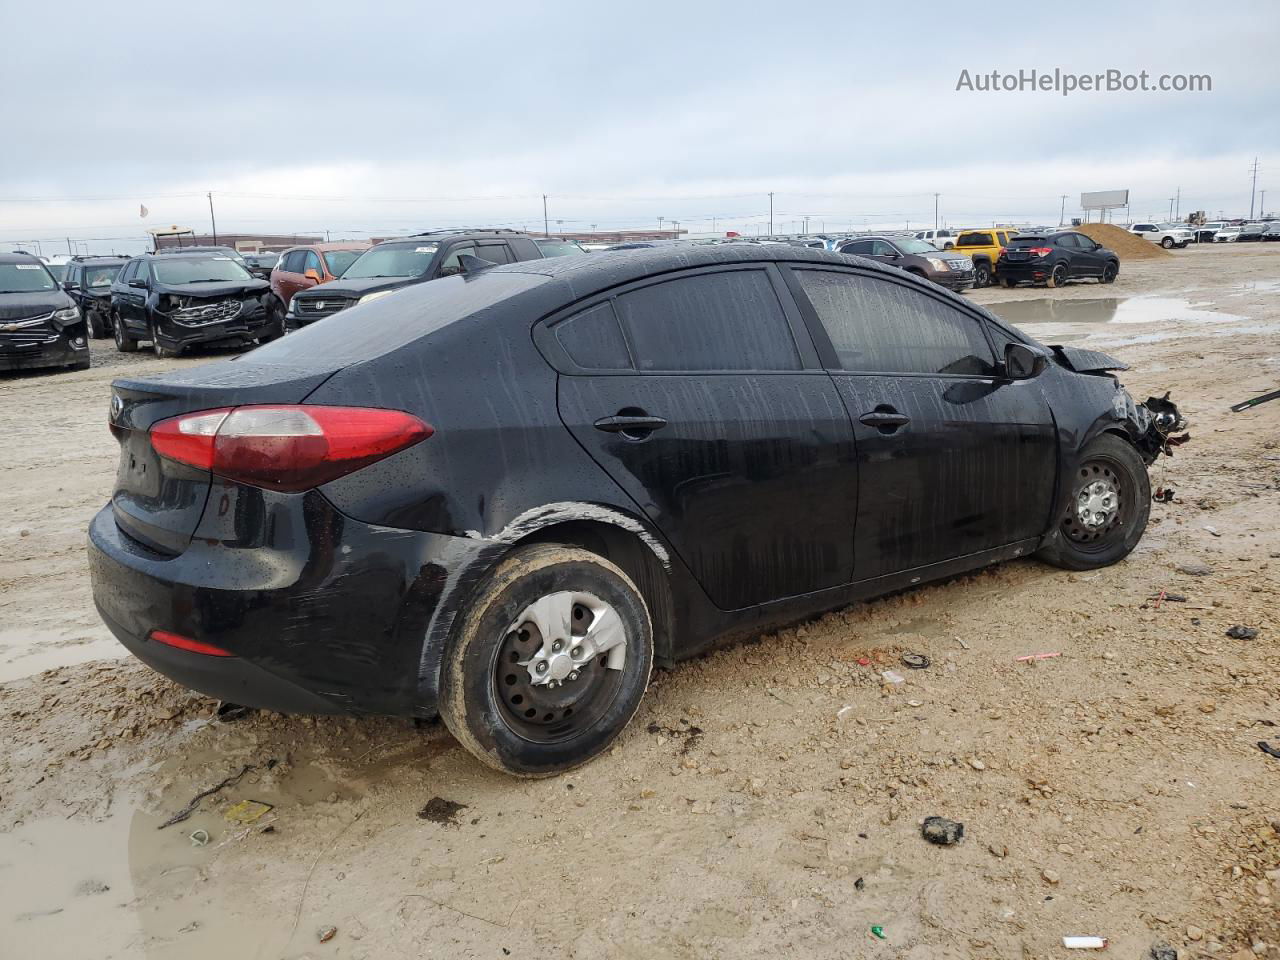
x=183, y=300
x=40, y=326
x=517, y=489
x=393, y=264
x=88, y=282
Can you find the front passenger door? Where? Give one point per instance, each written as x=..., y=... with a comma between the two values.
x=953, y=459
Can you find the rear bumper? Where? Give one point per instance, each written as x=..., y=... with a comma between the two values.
x=1023, y=272
x=322, y=613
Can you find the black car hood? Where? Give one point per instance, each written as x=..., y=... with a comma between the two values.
x=1087, y=361
x=231, y=288
x=356, y=287
x=20, y=306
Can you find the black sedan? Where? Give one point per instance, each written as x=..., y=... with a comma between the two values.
x=40, y=326
x=1056, y=258
x=517, y=489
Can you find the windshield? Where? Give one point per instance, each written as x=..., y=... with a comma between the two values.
x=339, y=260
x=101, y=276
x=25, y=278
x=59, y=271
x=558, y=248
x=198, y=270
x=392, y=260
x=916, y=246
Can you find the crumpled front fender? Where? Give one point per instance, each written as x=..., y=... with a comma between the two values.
x=1151, y=425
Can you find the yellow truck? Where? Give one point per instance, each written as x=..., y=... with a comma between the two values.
x=984, y=247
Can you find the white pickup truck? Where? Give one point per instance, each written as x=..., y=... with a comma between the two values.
x=942, y=239
x=1168, y=235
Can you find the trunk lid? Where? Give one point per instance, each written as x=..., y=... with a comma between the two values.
x=158, y=502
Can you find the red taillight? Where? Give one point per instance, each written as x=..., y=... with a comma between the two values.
x=186, y=643
x=1040, y=251
x=289, y=448
x=1001, y=253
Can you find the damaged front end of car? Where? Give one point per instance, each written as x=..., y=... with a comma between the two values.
x=1152, y=426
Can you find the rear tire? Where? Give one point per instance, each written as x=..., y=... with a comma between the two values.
x=1007, y=283
x=1057, y=276
x=488, y=699
x=1082, y=540
x=275, y=320
x=125, y=343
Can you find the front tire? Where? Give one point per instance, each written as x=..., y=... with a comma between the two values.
x=538, y=617
x=1057, y=276
x=1167, y=243
x=981, y=274
x=165, y=353
x=1109, y=272
x=1106, y=513
x=124, y=342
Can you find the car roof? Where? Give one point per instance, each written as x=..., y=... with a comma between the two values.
x=20, y=258
x=104, y=259
x=203, y=253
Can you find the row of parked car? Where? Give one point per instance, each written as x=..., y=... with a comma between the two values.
x=178, y=298
x=1170, y=235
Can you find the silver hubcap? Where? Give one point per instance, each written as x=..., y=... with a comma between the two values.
x=575, y=628
x=1097, y=504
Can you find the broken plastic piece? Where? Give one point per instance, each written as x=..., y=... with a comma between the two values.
x=1254, y=401
x=893, y=677
x=199, y=838
x=877, y=931
x=1037, y=656
x=1085, y=943
x=1268, y=749
x=1241, y=632
x=943, y=832
x=246, y=811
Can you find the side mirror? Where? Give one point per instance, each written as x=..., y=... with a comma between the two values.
x=68, y=285
x=1023, y=361
x=312, y=274
x=138, y=284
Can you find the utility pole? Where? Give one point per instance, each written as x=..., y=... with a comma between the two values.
x=1171, y=208
x=212, y=220
x=70, y=253
x=326, y=236
x=546, y=225
x=1254, y=187
x=935, y=215
x=660, y=219
x=1062, y=213
x=677, y=228
x=1177, y=205
x=560, y=227
x=770, y=214
x=1262, y=203
x=713, y=223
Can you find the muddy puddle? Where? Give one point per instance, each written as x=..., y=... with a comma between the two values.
x=128, y=883
x=1101, y=318
x=25, y=652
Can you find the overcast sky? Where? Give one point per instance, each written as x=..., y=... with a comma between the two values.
x=379, y=117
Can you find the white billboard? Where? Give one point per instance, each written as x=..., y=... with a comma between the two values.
x=1104, y=199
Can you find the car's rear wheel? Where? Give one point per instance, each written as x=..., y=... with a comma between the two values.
x=1167, y=243
x=981, y=274
x=549, y=663
x=1109, y=272
x=1106, y=513
x=275, y=320
x=1058, y=276
x=1008, y=284
x=97, y=327
x=124, y=342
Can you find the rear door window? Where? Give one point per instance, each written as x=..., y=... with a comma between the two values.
x=726, y=320
x=293, y=262
x=878, y=326
x=858, y=247
x=974, y=240
x=450, y=265
x=494, y=253
x=311, y=261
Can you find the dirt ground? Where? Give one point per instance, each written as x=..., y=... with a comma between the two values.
x=768, y=799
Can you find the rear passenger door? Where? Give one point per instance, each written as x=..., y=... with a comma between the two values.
x=697, y=397
x=1086, y=263
x=495, y=251
x=289, y=275
x=954, y=459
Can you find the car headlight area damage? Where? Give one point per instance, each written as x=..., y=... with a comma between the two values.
x=1151, y=425
x=196, y=310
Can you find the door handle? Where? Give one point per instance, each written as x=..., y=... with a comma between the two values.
x=635, y=426
x=886, y=421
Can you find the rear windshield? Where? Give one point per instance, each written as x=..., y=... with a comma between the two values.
x=198, y=270
x=25, y=278
x=59, y=271
x=101, y=276
x=392, y=260
x=339, y=260
x=974, y=240
x=1027, y=241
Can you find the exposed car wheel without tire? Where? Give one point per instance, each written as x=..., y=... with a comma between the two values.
x=162, y=351
x=1058, y=276
x=124, y=342
x=549, y=662
x=1167, y=243
x=981, y=275
x=1109, y=273
x=1107, y=511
